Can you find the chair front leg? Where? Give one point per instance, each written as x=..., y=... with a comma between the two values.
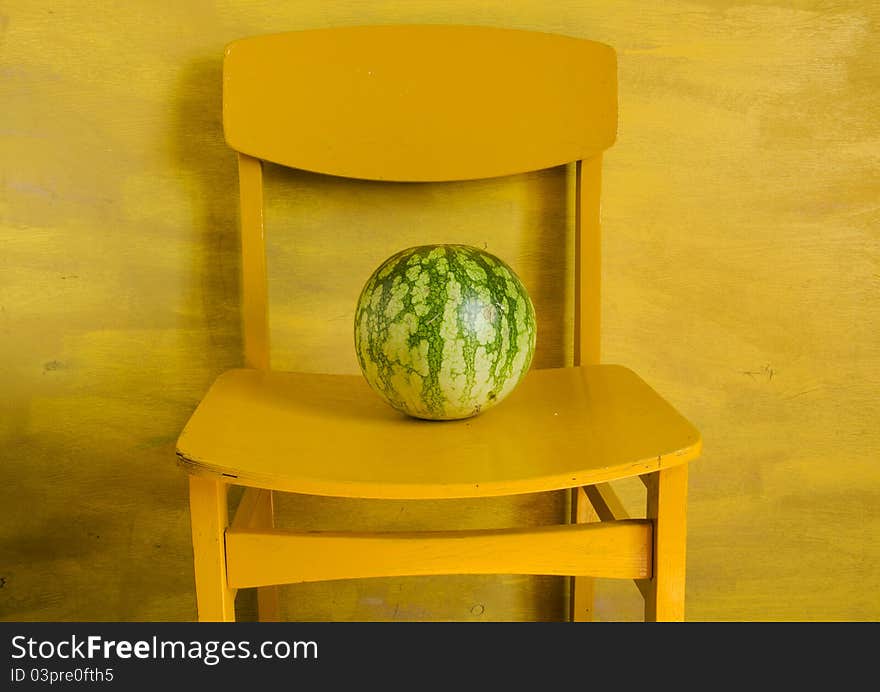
x=667, y=508
x=209, y=516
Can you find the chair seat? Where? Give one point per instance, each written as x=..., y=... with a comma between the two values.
x=332, y=435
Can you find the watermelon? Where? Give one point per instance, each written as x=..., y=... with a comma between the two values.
x=444, y=332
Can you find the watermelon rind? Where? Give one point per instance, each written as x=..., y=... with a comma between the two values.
x=444, y=332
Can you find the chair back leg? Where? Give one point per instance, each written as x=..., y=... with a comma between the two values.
x=582, y=589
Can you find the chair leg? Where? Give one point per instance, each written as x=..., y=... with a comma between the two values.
x=667, y=507
x=268, y=601
x=210, y=518
x=582, y=589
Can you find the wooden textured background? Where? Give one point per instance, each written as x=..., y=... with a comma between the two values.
x=740, y=209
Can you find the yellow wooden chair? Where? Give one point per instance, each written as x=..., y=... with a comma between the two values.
x=429, y=103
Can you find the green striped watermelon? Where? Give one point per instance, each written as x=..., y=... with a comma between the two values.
x=444, y=331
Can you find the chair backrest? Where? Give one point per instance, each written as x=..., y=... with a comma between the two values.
x=419, y=103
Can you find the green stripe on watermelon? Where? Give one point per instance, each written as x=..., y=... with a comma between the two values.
x=444, y=331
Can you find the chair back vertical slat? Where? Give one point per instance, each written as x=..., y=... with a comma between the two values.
x=255, y=310
x=588, y=265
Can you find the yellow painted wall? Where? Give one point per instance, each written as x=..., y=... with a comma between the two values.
x=740, y=210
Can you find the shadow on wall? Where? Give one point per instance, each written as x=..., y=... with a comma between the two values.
x=548, y=254
x=208, y=169
x=325, y=236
